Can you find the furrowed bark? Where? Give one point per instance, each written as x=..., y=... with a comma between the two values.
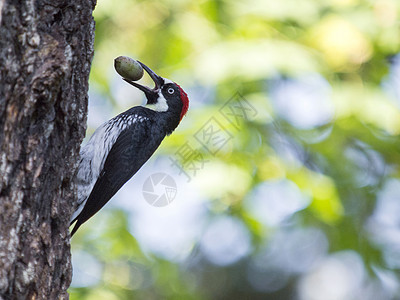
x=46, y=48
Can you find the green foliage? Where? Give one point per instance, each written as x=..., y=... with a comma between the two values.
x=341, y=169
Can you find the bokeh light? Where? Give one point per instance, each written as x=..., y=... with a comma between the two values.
x=297, y=196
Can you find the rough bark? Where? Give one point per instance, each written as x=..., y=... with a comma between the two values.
x=46, y=49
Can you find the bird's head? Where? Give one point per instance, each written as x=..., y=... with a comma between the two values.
x=166, y=94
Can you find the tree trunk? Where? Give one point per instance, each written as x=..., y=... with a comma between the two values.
x=46, y=48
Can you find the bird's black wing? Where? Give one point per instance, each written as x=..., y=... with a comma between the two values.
x=132, y=149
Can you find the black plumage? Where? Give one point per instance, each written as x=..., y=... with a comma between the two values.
x=137, y=133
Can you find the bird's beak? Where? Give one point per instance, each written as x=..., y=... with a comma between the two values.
x=151, y=93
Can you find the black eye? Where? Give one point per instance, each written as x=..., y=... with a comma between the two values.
x=171, y=91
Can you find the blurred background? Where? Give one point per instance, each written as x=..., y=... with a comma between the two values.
x=282, y=181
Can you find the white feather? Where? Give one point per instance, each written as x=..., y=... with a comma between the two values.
x=94, y=154
x=161, y=104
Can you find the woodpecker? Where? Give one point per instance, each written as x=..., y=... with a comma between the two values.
x=120, y=146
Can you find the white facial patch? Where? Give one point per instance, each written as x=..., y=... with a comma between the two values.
x=168, y=81
x=161, y=104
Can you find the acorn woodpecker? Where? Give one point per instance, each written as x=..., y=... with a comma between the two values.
x=120, y=147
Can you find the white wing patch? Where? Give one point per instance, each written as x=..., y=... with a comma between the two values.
x=95, y=152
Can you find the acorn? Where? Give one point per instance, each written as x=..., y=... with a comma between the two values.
x=128, y=68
